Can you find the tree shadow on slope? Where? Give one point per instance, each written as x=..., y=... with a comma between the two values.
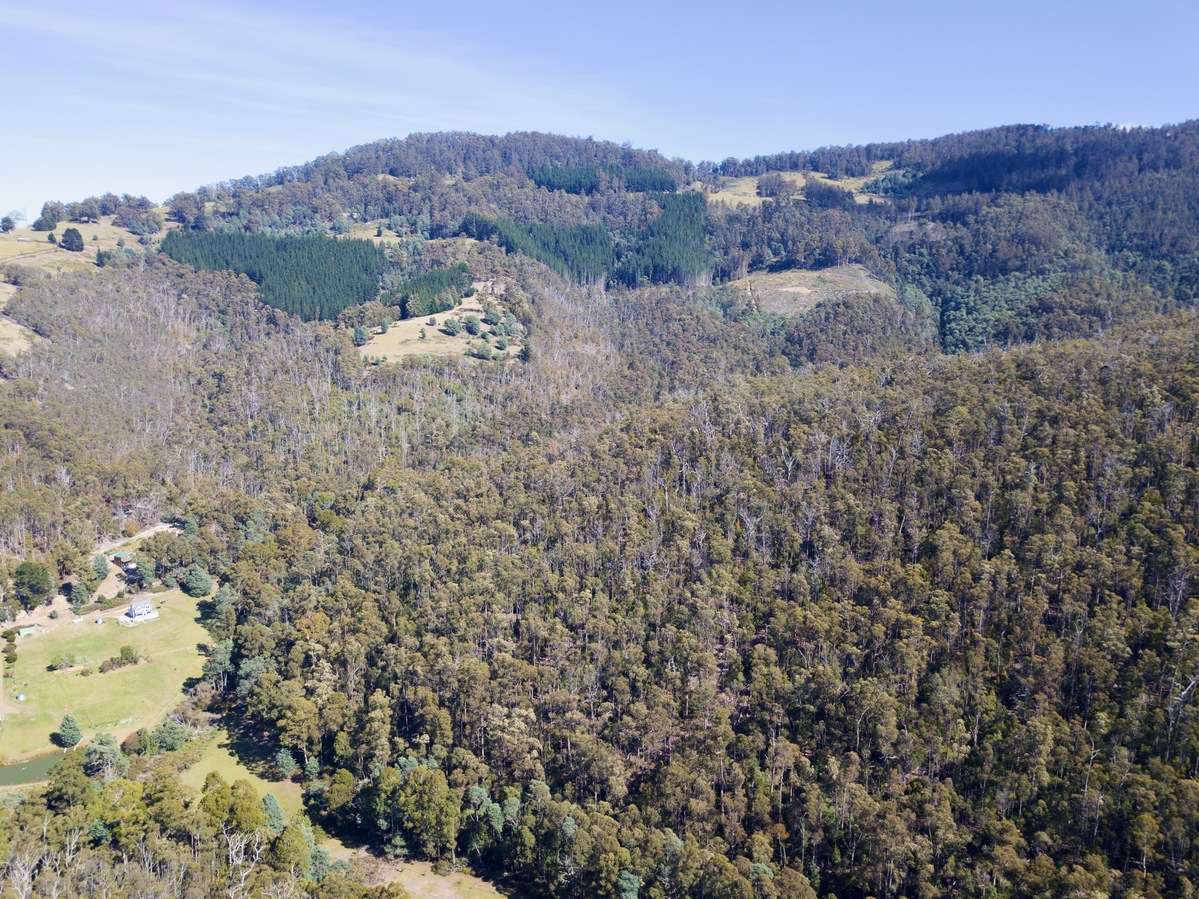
x=253, y=748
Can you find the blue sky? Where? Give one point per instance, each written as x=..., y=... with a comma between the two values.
x=134, y=97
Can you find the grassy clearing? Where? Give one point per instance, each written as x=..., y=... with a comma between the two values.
x=403, y=337
x=13, y=337
x=857, y=185
x=120, y=701
x=795, y=292
x=224, y=754
x=744, y=191
x=418, y=878
x=34, y=249
x=366, y=231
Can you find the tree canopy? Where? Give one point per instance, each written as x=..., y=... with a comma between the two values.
x=891, y=596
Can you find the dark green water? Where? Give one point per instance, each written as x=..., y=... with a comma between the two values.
x=28, y=772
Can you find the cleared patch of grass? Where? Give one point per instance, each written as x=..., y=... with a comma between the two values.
x=744, y=191
x=13, y=337
x=403, y=338
x=798, y=290
x=32, y=248
x=120, y=701
x=366, y=231
x=221, y=755
x=857, y=185
x=418, y=878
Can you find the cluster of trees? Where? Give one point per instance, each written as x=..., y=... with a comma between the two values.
x=107, y=824
x=589, y=179
x=582, y=252
x=309, y=276
x=431, y=292
x=671, y=248
x=408, y=178
x=134, y=214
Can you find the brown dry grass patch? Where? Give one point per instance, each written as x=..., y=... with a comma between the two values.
x=796, y=291
x=403, y=338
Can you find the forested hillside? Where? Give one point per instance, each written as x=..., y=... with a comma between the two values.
x=982, y=232
x=694, y=600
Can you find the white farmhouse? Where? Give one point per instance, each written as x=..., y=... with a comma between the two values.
x=141, y=610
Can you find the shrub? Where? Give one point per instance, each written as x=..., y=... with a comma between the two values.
x=128, y=656
x=140, y=742
x=170, y=735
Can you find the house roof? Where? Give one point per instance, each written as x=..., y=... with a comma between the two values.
x=142, y=605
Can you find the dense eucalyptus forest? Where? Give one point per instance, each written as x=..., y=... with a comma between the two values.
x=892, y=597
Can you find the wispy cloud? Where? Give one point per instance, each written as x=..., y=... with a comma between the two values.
x=293, y=65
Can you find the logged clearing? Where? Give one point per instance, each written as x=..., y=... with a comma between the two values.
x=403, y=338
x=795, y=292
x=224, y=754
x=119, y=701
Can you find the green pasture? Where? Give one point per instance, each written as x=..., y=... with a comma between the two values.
x=120, y=701
x=235, y=758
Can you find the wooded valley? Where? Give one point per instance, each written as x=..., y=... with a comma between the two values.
x=894, y=596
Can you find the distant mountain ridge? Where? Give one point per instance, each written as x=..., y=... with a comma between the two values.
x=984, y=233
